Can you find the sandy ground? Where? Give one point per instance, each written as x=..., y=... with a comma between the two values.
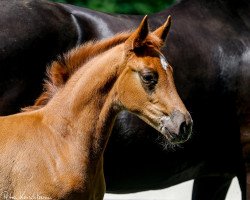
x=179, y=192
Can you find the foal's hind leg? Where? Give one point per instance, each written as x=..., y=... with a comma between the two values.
x=211, y=188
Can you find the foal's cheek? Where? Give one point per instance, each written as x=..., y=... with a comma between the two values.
x=133, y=96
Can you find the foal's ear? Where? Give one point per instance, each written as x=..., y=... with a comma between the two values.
x=162, y=31
x=137, y=38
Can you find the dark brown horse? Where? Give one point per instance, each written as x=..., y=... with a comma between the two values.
x=56, y=151
x=211, y=40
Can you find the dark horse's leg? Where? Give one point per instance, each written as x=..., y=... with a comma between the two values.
x=247, y=186
x=211, y=188
x=244, y=186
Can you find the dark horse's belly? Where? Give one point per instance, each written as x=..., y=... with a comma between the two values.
x=207, y=48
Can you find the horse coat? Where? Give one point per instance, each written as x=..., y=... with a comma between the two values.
x=212, y=75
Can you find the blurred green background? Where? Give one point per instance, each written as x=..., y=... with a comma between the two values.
x=122, y=6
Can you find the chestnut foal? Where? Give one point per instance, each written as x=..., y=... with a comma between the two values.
x=56, y=151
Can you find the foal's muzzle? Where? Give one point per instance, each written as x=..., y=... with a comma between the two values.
x=177, y=127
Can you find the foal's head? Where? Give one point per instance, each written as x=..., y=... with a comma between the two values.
x=146, y=86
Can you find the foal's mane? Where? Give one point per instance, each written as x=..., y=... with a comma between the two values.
x=61, y=69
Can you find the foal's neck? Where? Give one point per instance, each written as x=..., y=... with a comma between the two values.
x=84, y=109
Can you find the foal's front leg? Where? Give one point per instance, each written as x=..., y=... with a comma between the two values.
x=96, y=187
x=100, y=186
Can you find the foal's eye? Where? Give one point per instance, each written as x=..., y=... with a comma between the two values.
x=149, y=78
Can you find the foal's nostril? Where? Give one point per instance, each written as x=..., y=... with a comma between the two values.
x=183, y=127
x=185, y=130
